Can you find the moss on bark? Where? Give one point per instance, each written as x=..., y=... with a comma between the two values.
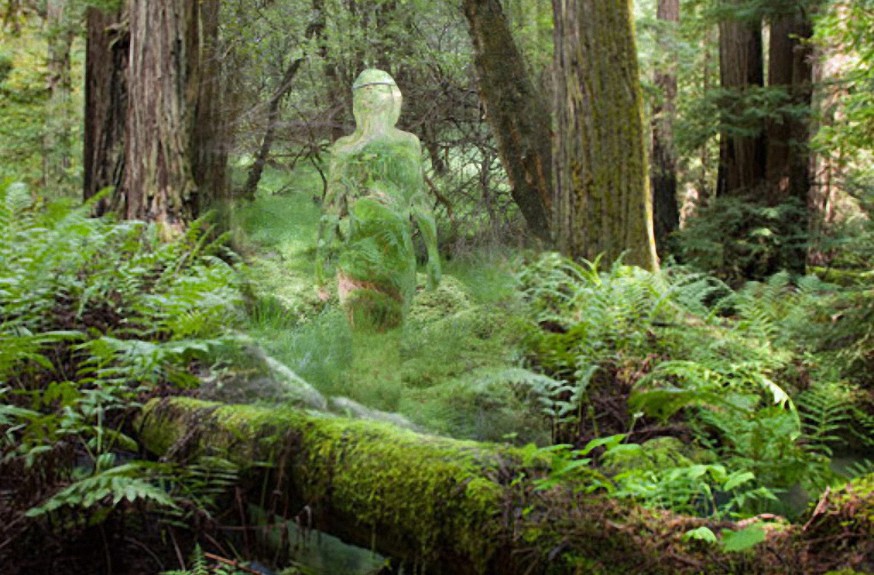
x=602, y=203
x=448, y=506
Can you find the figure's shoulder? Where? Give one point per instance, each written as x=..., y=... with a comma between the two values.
x=344, y=144
x=406, y=140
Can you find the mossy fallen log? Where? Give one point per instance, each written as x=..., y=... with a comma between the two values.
x=445, y=506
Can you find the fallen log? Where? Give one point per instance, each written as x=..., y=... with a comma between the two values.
x=439, y=505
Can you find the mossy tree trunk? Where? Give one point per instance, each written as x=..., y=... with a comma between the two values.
x=516, y=111
x=742, y=145
x=602, y=199
x=666, y=212
x=443, y=506
x=211, y=138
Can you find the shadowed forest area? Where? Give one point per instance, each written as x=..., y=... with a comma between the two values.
x=639, y=337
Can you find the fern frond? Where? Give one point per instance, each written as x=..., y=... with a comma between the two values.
x=107, y=489
x=824, y=414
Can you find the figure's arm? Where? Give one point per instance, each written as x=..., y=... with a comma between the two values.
x=424, y=218
x=329, y=224
x=421, y=211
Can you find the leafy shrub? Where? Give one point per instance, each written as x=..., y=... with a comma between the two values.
x=737, y=238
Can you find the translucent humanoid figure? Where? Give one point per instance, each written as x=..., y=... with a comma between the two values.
x=375, y=188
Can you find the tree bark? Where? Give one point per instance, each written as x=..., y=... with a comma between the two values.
x=828, y=167
x=159, y=182
x=443, y=506
x=742, y=147
x=210, y=138
x=790, y=67
x=663, y=179
x=106, y=92
x=602, y=202
x=153, y=110
x=518, y=115
x=666, y=211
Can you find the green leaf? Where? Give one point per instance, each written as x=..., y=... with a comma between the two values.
x=611, y=441
x=733, y=541
x=737, y=479
x=702, y=533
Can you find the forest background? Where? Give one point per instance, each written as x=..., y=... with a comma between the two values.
x=703, y=344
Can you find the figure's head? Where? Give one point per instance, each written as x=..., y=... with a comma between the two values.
x=376, y=96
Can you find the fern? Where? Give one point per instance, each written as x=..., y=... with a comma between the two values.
x=825, y=416
x=95, y=313
x=108, y=488
x=199, y=565
x=199, y=487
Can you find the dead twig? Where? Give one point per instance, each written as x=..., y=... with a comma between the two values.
x=233, y=563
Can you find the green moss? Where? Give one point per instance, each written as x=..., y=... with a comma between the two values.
x=386, y=477
x=433, y=492
x=449, y=298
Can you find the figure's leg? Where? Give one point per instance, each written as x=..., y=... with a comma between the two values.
x=367, y=306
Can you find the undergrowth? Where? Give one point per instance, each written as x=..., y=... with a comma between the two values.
x=686, y=393
x=738, y=378
x=735, y=392
x=98, y=315
x=439, y=370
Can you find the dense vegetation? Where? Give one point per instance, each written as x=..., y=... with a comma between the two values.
x=729, y=393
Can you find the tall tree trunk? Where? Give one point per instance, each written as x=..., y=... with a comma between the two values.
x=159, y=182
x=516, y=111
x=666, y=212
x=106, y=92
x=209, y=142
x=790, y=67
x=56, y=139
x=741, y=155
x=828, y=167
x=602, y=198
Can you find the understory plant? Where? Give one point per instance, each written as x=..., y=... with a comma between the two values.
x=738, y=378
x=96, y=315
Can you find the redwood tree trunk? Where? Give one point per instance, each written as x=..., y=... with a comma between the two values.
x=666, y=212
x=210, y=138
x=517, y=113
x=790, y=68
x=827, y=166
x=106, y=65
x=741, y=147
x=602, y=199
x=159, y=183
